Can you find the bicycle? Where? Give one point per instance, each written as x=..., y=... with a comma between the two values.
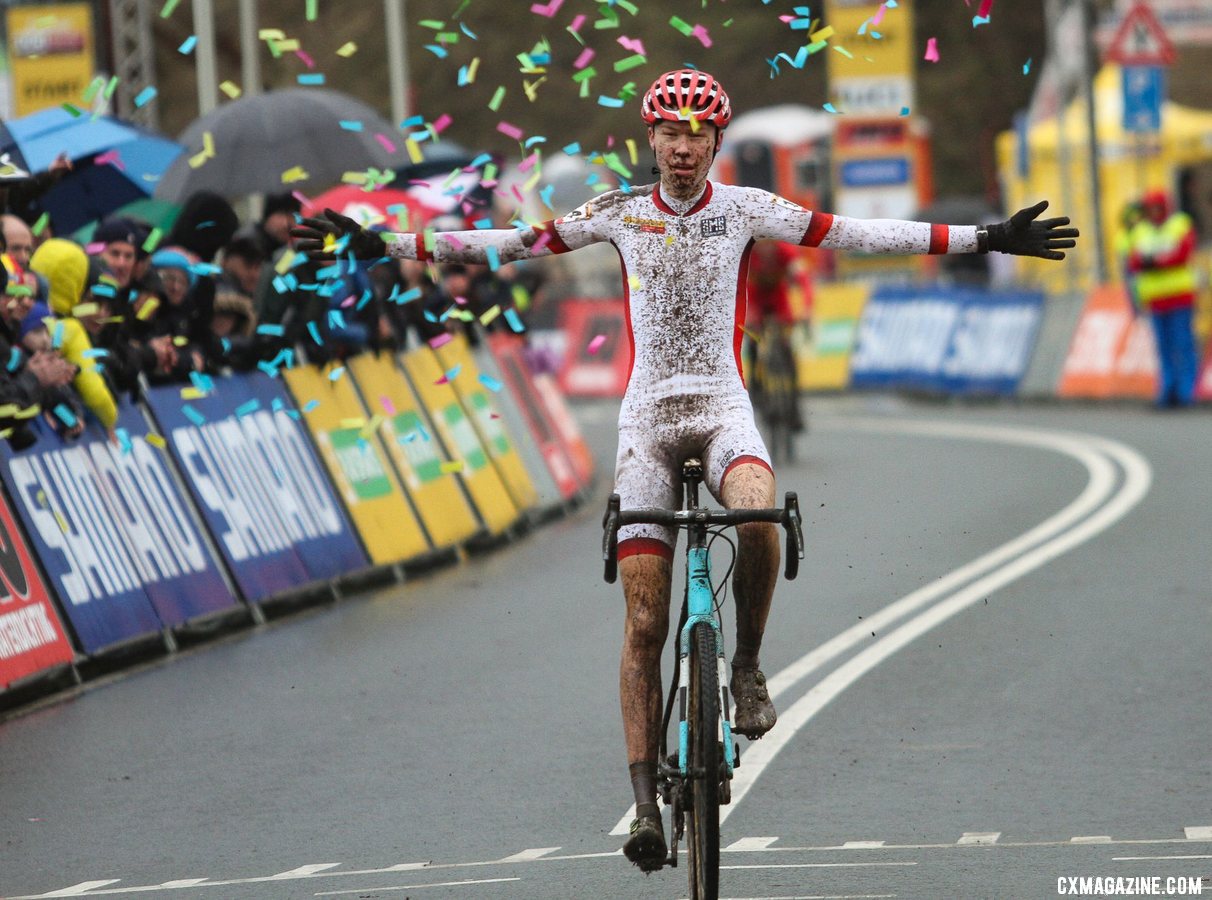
x=696, y=781
x=774, y=389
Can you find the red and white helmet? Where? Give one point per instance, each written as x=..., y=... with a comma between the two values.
x=683, y=94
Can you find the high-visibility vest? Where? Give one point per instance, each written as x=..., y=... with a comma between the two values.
x=1147, y=239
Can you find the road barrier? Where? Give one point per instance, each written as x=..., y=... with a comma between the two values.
x=223, y=496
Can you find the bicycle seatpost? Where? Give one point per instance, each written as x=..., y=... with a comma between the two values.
x=692, y=476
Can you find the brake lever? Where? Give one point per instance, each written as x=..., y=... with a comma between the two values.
x=792, y=524
x=610, y=539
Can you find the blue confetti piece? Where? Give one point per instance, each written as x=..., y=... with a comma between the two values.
x=367, y=296
x=310, y=405
x=202, y=382
x=489, y=382
x=187, y=45
x=65, y=415
x=145, y=96
x=352, y=125
x=537, y=139
x=410, y=294
x=481, y=160
x=124, y=440
x=493, y=257
x=573, y=149
x=268, y=368
x=335, y=374
x=545, y=196
x=467, y=31
x=248, y=407
x=192, y=414
x=336, y=321
x=1027, y=66
x=271, y=329
x=311, y=78
x=514, y=320
x=829, y=108
x=482, y=223
x=314, y=332
x=57, y=335
x=610, y=102
x=14, y=359
x=436, y=50
x=980, y=20
x=413, y=122
x=277, y=405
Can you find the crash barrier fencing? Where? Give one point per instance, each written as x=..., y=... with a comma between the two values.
x=234, y=494
x=948, y=340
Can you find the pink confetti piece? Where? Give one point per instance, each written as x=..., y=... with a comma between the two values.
x=986, y=8
x=635, y=45
x=583, y=60
x=577, y=23
x=596, y=344
x=441, y=340
x=441, y=123
x=931, y=50
x=549, y=10
x=388, y=406
x=700, y=32
x=543, y=241
x=508, y=130
x=303, y=199
x=386, y=143
x=879, y=15
x=94, y=248
x=307, y=60
x=453, y=241
x=528, y=163
x=110, y=156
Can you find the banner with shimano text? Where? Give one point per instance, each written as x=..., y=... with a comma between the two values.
x=113, y=532
x=946, y=339
x=262, y=492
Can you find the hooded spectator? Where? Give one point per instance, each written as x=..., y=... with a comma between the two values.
x=243, y=264
x=272, y=233
x=65, y=266
x=121, y=241
x=205, y=226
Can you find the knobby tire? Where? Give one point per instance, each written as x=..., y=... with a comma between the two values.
x=703, y=843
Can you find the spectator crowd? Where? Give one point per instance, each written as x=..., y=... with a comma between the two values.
x=83, y=324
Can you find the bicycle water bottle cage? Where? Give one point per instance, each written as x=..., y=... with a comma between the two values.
x=692, y=469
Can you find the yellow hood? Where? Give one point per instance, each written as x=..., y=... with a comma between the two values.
x=65, y=267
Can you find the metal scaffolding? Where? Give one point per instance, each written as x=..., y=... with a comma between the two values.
x=134, y=59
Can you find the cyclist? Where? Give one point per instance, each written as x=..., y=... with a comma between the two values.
x=778, y=296
x=684, y=244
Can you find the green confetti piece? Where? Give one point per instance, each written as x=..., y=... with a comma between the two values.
x=684, y=27
x=432, y=23
x=111, y=87
x=310, y=10
x=630, y=62
x=168, y=8
x=74, y=111
x=495, y=103
x=91, y=91
x=40, y=225
x=842, y=50
x=153, y=240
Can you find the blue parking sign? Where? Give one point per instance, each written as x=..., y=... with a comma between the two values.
x=1144, y=93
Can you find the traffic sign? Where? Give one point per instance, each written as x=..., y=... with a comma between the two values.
x=1144, y=93
x=1140, y=40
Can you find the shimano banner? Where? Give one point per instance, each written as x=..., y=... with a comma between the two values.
x=114, y=533
x=952, y=340
x=263, y=494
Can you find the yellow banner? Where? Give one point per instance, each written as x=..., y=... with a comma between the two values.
x=429, y=475
x=824, y=359
x=50, y=52
x=357, y=463
x=872, y=72
x=464, y=374
x=458, y=434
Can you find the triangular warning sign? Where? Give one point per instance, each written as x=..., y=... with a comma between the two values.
x=1140, y=40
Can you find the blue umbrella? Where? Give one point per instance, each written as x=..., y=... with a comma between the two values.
x=114, y=162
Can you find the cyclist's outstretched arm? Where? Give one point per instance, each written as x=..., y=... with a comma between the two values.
x=334, y=236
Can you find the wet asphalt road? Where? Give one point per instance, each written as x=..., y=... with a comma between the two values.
x=1041, y=712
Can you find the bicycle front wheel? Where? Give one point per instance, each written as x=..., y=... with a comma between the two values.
x=703, y=841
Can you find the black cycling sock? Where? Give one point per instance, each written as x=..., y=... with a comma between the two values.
x=643, y=785
x=745, y=657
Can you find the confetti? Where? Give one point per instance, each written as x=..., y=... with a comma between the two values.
x=231, y=89
x=155, y=440
x=449, y=468
x=168, y=8
x=548, y=10
x=931, y=50
x=509, y=130
x=145, y=96
x=489, y=382
x=311, y=78
x=596, y=344
x=347, y=49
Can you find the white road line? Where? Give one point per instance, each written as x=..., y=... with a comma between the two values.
x=862, y=865
x=304, y=871
x=414, y=887
x=1198, y=832
x=529, y=855
x=819, y=897
x=1091, y=839
x=1137, y=478
x=863, y=845
x=82, y=888
x=979, y=837
x=184, y=882
x=749, y=845
x=1138, y=858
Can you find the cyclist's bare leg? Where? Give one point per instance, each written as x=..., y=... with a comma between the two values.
x=751, y=486
x=646, y=584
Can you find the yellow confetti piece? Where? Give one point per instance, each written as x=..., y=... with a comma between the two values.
x=353, y=422
x=193, y=393
x=155, y=440
x=372, y=426
x=271, y=34
x=634, y=282
x=85, y=309
x=208, y=143
x=231, y=89
x=749, y=334
x=414, y=151
x=148, y=309
x=288, y=46
x=823, y=35
x=631, y=151
x=490, y=314
x=455, y=465
x=180, y=340
x=669, y=239
x=198, y=160
x=347, y=49
x=472, y=68
x=283, y=265
x=293, y=174
x=63, y=526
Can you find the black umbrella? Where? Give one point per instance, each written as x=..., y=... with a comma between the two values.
x=299, y=138
x=13, y=166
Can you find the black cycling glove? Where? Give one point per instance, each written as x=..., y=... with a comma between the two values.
x=311, y=234
x=1023, y=236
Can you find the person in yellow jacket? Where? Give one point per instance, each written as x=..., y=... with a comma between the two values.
x=64, y=265
x=1160, y=249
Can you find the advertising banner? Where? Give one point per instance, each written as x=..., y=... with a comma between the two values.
x=953, y=340
x=31, y=637
x=357, y=463
x=824, y=363
x=537, y=440
x=255, y=478
x=461, y=370
x=1113, y=353
x=429, y=475
x=113, y=532
x=459, y=438
x=597, y=362
x=50, y=51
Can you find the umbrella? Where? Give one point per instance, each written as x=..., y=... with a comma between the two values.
x=266, y=143
x=13, y=166
x=398, y=210
x=157, y=213
x=114, y=162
